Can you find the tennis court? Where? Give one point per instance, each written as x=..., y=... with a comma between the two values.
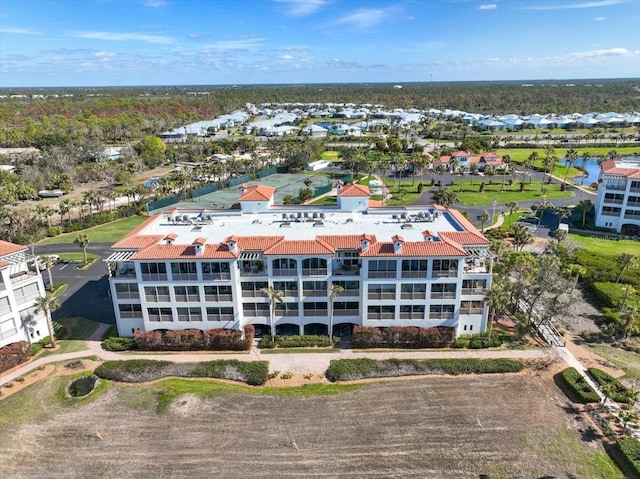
x=285, y=184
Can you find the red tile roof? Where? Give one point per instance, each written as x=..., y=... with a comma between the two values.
x=258, y=193
x=294, y=247
x=609, y=167
x=419, y=248
x=395, y=238
x=343, y=241
x=137, y=242
x=466, y=224
x=254, y=243
x=375, y=204
x=10, y=248
x=354, y=191
x=460, y=153
x=171, y=236
x=212, y=251
x=465, y=237
x=3, y=264
x=200, y=240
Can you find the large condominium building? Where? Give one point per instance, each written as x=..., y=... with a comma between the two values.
x=618, y=200
x=19, y=288
x=198, y=268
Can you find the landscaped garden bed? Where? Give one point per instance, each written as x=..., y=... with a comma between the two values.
x=578, y=386
x=254, y=373
x=352, y=369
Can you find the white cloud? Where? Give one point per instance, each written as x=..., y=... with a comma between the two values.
x=599, y=19
x=488, y=6
x=611, y=52
x=286, y=57
x=571, y=6
x=242, y=44
x=365, y=18
x=20, y=31
x=303, y=7
x=123, y=37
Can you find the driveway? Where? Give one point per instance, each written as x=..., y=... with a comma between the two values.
x=87, y=293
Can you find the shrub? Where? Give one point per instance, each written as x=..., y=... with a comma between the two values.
x=579, y=386
x=397, y=337
x=612, y=294
x=142, y=370
x=184, y=339
x=194, y=339
x=629, y=449
x=14, y=354
x=619, y=392
x=351, y=369
x=267, y=342
x=148, y=340
x=460, y=343
x=228, y=339
x=119, y=344
x=307, y=341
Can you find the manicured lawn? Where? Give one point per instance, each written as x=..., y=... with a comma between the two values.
x=470, y=194
x=627, y=360
x=79, y=329
x=602, y=246
x=107, y=233
x=518, y=155
x=330, y=155
x=509, y=220
x=79, y=257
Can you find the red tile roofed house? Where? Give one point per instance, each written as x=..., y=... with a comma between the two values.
x=200, y=268
x=20, y=286
x=466, y=159
x=618, y=200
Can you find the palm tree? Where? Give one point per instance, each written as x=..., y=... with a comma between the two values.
x=274, y=297
x=48, y=262
x=513, y=207
x=547, y=163
x=47, y=304
x=529, y=164
x=83, y=241
x=625, y=260
x=521, y=236
x=586, y=156
x=570, y=157
x=65, y=208
x=335, y=290
x=483, y=218
x=444, y=197
x=497, y=298
x=585, y=207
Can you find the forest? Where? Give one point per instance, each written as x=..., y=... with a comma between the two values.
x=46, y=117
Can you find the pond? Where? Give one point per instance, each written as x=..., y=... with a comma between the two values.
x=82, y=386
x=592, y=168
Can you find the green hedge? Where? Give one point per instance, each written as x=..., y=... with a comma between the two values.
x=351, y=369
x=478, y=341
x=629, y=448
x=364, y=337
x=143, y=370
x=579, y=386
x=612, y=294
x=619, y=392
x=119, y=344
x=306, y=341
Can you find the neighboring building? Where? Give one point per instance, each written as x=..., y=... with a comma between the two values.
x=202, y=268
x=618, y=200
x=19, y=288
x=466, y=159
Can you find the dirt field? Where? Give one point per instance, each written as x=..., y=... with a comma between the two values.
x=507, y=426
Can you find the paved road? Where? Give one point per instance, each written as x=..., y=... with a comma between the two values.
x=87, y=293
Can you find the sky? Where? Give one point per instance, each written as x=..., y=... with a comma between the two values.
x=68, y=43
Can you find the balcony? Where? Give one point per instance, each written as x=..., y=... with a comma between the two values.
x=414, y=274
x=314, y=292
x=220, y=317
x=611, y=213
x=473, y=291
x=125, y=272
x=218, y=297
x=440, y=315
x=380, y=296
x=127, y=295
x=132, y=315
x=285, y=272
x=612, y=201
x=382, y=274
x=184, y=276
x=288, y=313
x=347, y=271
x=380, y=316
x=413, y=295
x=476, y=267
x=629, y=216
x=414, y=315
x=256, y=314
x=158, y=299
x=316, y=312
x=216, y=276
x=444, y=273
x=252, y=272
x=250, y=294
x=154, y=276
x=350, y=293
x=185, y=298
x=443, y=295
x=22, y=276
x=634, y=190
x=618, y=188
x=471, y=310
x=314, y=271
x=346, y=312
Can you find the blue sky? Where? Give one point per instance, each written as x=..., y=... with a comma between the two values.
x=181, y=42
